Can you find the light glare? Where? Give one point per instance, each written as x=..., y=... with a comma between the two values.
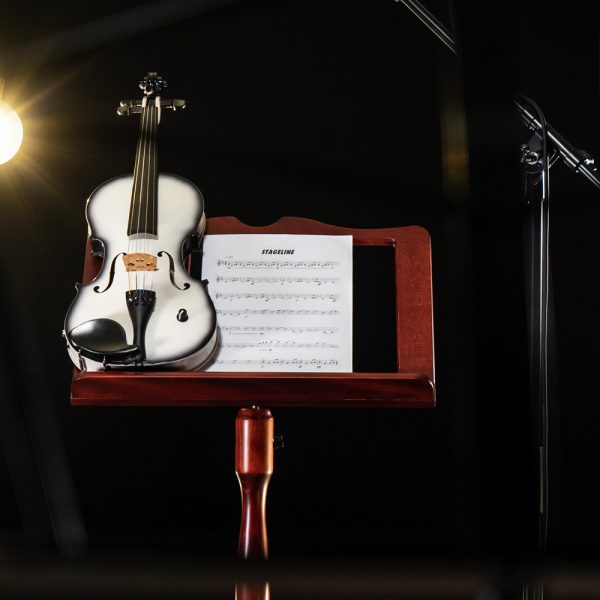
x=11, y=132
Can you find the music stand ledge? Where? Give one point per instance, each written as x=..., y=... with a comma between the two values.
x=411, y=386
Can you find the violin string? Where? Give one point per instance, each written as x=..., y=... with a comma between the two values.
x=146, y=195
x=143, y=172
x=144, y=204
x=149, y=182
x=155, y=192
x=154, y=228
x=136, y=183
x=150, y=197
x=142, y=233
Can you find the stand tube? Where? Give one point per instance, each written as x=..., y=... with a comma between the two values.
x=540, y=319
x=253, y=467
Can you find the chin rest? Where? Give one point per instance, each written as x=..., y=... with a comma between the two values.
x=103, y=340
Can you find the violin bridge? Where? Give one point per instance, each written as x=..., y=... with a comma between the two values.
x=138, y=261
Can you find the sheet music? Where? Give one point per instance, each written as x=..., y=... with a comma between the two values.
x=284, y=302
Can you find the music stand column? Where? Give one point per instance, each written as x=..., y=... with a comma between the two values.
x=253, y=467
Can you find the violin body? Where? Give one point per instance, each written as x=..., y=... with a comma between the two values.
x=143, y=309
x=170, y=343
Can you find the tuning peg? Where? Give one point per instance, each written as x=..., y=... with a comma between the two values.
x=174, y=104
x=129, y=107
x=134, y=107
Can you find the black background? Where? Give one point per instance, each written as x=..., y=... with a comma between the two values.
x=326, y=110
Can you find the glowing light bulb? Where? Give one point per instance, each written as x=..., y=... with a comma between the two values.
x=11, y=132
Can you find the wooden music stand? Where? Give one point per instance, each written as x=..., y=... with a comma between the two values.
x=412, y=385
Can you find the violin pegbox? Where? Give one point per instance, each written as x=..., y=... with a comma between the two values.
x=152, y=85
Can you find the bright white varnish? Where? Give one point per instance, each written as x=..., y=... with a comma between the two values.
x=170, y=343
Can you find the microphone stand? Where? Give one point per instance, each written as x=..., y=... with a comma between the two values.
x=540, y=318
x=535, y=194
x=575, y=158
x=540, y=310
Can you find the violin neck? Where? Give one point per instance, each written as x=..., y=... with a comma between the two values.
x=143, y=210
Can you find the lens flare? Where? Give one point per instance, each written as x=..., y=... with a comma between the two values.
x=11, y=132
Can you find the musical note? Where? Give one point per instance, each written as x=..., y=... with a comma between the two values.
x=277, y=264
x=278, y=280
x=236, y=312
x=252, y=329
x=277, y=344
x=295, y=362
x=274, y=296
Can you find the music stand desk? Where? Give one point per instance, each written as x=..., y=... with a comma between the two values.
x=411, y=386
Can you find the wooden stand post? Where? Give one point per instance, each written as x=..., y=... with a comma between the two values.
x=253, y=467
x=258, y=590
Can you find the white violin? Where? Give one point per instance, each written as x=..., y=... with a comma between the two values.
x=143, y=309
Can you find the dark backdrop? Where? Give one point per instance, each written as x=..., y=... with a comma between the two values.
x=326, y=110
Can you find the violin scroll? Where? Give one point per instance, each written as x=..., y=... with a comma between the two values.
x=152, y=84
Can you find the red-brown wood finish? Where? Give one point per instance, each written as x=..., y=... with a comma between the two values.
x=253, y=467
x=247, y=590
x=411, y=386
